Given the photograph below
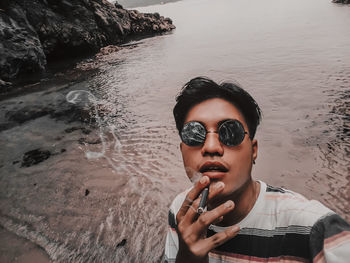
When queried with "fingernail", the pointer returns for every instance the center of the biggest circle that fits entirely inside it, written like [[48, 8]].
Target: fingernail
[[203, 180], [219, 185], [228, 204], [235, 228]]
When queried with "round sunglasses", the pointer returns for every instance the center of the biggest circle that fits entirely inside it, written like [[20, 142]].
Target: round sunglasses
[[231, 133]]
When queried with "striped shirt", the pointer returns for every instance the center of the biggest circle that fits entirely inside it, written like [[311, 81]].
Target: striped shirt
[[283, 226]]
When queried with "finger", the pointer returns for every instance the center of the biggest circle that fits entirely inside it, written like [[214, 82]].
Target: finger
[[191, 196], [207, 218], [215, 188], [218, 220], [192, 212], [220, 238]]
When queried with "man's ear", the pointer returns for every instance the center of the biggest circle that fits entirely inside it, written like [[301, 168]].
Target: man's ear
[[254, 149]]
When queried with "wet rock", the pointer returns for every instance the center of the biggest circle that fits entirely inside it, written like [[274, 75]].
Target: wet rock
[[28, 113], [70, 113], [6, 125], [83, 130], [341, 1], [89, 141], [122, 243], [33, 32], [34, 157], [117, 5], [143, 23], [59, 110], [108, 50], [4, 85], [72, 129], [20, 48]]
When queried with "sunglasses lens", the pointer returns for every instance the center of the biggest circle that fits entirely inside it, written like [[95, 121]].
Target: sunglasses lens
[[231, 133], [193, 133]]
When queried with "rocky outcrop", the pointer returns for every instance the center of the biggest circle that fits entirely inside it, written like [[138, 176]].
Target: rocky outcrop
[[341, 1], [139, 3], [20, 48], [35, 32]]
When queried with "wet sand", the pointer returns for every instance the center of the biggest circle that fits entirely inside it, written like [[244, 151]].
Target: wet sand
[[20, 250]]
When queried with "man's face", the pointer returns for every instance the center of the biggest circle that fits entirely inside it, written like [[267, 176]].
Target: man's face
[[229, 164]]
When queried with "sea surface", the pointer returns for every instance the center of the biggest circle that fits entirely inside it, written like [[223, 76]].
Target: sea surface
[[292, 56]]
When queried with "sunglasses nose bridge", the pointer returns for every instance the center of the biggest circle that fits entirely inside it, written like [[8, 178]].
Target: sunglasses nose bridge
[[212, 144]]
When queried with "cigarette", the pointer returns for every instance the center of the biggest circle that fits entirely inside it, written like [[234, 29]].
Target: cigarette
[[203, 200]]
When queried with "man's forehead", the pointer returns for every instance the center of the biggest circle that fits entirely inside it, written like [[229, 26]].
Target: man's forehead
[[213, 111]]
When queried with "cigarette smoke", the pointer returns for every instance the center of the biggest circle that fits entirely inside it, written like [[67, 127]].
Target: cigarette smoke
[[193, 175], [86, 99]]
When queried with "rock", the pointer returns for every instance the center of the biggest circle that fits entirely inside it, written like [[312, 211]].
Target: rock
[[61, 110], [71, 113], [84, 141], [147, 23], [20, 49], [34, 157], [83, 130], [117, 5], [121, 243], [341, 1], [4, 85], [35, 32], [28, 113], [108, 50]]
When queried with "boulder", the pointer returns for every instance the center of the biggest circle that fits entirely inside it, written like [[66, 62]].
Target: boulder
[[36, 32]]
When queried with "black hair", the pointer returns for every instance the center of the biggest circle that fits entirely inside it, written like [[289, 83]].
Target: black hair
[[200, 89]]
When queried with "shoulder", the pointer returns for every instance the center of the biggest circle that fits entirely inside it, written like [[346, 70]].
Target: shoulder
[[330, 239], [290, 208]]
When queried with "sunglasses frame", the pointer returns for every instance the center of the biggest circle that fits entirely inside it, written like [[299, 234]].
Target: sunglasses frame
[[217, 131]]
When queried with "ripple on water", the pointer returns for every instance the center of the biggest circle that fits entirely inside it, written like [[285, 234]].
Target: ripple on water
[[333, 155]]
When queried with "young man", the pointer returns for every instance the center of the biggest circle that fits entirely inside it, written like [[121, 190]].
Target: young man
[[245, 220]]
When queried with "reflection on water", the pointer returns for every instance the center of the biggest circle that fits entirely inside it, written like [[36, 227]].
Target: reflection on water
[[293, 57], [334, 169]]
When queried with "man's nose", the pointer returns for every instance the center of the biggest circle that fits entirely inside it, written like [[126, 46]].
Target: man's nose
[[212, 145]]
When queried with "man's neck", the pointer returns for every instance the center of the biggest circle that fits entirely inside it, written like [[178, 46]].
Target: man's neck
[[244, 202]]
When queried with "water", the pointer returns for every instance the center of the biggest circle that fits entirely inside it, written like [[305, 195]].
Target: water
[[292, 56]]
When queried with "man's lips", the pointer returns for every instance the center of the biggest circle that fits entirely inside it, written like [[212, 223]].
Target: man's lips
[[213, 169]]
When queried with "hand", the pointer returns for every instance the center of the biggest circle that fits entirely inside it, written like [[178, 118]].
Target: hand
[[194, 246]]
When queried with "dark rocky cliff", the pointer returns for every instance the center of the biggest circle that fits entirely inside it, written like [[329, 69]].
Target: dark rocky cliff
[[341, 1], [35, 32]]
